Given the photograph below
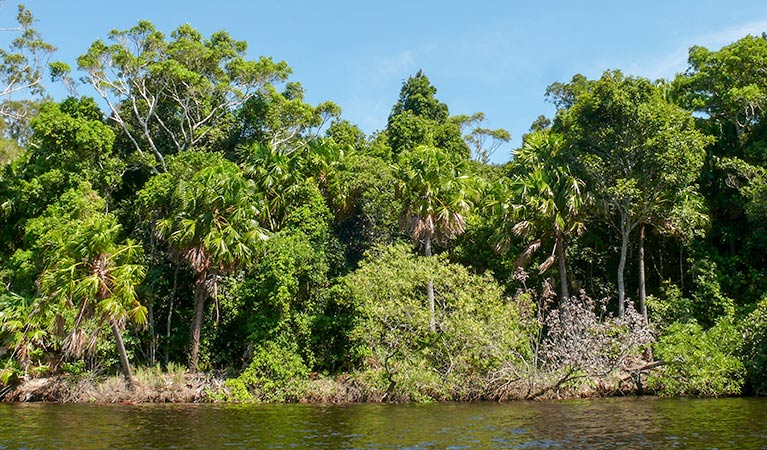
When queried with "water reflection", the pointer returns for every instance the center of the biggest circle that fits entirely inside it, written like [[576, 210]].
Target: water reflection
[[602, 423]]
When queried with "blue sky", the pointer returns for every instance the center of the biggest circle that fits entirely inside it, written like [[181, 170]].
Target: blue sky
[[491, 56]]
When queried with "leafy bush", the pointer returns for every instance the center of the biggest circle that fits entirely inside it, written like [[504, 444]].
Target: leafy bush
[[276, 374], [754, 351], [699, 362], [477, 328], [669, 307]]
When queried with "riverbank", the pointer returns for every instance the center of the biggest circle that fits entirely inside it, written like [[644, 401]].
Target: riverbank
[[179, 386]]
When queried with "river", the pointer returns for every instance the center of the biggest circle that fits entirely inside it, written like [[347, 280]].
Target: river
[[737, 423]]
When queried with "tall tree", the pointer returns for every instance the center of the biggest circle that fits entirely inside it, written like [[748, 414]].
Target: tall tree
[[639, 152], [728, 90], [22, 67], [171, 95], [437, 194], [482, 141], [214, 225], [88, 267], [283, 121], [728, 85], [420, 119], [542, 200]]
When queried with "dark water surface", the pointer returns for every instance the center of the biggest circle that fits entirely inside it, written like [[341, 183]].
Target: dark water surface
[[601, 423]]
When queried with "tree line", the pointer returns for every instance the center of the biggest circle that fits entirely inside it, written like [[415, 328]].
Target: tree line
[[201, 212]]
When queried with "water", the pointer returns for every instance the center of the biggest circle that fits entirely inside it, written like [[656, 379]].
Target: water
[[601, 423]]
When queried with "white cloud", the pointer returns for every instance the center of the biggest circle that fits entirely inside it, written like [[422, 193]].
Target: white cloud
[[729, 35], [676, 61], [386, 67]]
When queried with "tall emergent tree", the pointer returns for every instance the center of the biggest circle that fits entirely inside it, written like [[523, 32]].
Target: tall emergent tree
[[436, 194], [170, 95], [642, 155], [22, 66], [728, 88], [419, 118]]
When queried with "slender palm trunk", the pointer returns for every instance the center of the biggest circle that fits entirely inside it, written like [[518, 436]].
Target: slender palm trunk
[[642, 289], [199, 309], [560, 243], [124, 364], [622, 264], [153, 335], [170, 315], [430, 288]]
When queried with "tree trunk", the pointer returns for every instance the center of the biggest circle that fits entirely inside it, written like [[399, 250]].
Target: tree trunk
[[622, 264], [124, 364], [153, 334], [170, 315], [642, 288], [681, 267], [560, 243], [199, 310], [430, 288]]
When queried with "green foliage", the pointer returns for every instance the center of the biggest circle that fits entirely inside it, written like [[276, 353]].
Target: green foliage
[[70, 145], [436, 193], [477, 330], [72, 137], [22, 65], [281, 297], [754, 350], [282, 121], [215, 218], [699, 362], [276, 374], [639, 154], [669, 306], [369, 216], [84, 261], [483, 142], [86, 275], [727, 83], [168, 96], [215, 164], [26, 331], [419, 119], [708, 301], [418, 96], [542, 202], [348, 135]]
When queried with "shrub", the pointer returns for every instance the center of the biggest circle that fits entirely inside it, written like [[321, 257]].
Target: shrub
[[276, 374], [754, 350], [477, 328], [698, 362]]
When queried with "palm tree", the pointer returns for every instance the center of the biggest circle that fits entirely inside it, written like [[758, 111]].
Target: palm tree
[[88, 269], [279, 176], [215, 227], [543, 201], [436, 197], [271, 171]]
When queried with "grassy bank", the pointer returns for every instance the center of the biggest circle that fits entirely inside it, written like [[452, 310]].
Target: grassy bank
[[152, 385]]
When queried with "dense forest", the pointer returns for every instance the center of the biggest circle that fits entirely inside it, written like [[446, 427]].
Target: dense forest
[[198, 213]]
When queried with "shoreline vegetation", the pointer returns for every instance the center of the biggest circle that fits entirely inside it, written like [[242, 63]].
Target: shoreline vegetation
[[157, 386], [202, 217]]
